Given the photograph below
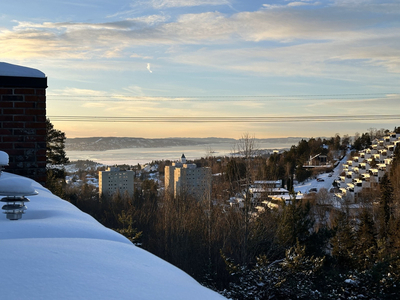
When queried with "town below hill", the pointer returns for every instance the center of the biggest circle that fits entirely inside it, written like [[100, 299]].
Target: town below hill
[[112, 143]]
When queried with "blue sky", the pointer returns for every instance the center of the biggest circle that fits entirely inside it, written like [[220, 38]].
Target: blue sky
[[192, 59]]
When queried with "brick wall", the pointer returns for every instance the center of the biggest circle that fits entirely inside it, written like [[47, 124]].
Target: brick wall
[[23, 125]]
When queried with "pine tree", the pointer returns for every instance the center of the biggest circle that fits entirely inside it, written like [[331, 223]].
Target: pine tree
[[295, 223], [55, 155], [126, 228], [292, 277], [343, 242], [366, 244], [55, 145], [384, 205]]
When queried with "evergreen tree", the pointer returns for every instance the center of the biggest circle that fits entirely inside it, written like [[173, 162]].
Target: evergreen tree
[[295, 223], [127, 229], [365, 244], [55, 155], [292, 277], [343, 242], [55, 145], [384, 205]]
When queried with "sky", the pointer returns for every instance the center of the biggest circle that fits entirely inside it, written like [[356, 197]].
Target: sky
[[210, 68], [58, 252]]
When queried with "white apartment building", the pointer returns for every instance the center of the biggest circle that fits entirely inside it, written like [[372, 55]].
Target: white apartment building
[[113, 180], [183, 178]]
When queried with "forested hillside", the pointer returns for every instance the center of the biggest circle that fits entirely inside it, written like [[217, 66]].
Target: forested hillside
[[305, 249]]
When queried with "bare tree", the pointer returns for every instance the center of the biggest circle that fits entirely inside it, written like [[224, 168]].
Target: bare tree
[[323, 204], [245, 148]]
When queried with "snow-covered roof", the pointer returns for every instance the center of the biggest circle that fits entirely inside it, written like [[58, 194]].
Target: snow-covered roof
[[270, 190], [287, 197], [19, 71], [268, 182], [58, 252]]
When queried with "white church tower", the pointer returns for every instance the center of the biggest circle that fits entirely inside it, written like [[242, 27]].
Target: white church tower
[[183, 159]]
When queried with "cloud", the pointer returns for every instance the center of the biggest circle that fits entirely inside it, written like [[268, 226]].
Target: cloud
[[134, 90], [76, 92], [290, 4], [375, 6], [353, 3], [148, 68], [94, 105], [297, 3], [201, 28], [152, 19], [350, 60], [135, 55], [186, 3], [273, 6], [289, 40], [78, 4]]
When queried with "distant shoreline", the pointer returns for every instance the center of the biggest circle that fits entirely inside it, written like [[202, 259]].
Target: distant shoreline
[[113, 143], [133, 156]]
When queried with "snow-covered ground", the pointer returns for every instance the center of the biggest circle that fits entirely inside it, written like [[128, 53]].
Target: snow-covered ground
[[58, 252], [305, 187]]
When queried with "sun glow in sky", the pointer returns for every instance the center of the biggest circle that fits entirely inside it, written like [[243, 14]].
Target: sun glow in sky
[[165, 65]]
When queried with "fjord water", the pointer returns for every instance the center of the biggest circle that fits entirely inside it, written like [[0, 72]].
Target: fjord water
[[133, 156]]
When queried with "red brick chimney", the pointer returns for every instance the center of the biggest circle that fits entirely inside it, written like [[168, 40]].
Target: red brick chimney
[[23, 120]]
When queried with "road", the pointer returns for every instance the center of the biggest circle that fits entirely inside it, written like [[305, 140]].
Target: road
[[304, 187]]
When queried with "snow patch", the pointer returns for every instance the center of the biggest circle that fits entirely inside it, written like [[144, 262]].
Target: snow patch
[[19, 71]]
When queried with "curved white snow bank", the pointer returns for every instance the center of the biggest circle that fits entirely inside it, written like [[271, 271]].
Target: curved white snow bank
[[58, 252], [19, 71]]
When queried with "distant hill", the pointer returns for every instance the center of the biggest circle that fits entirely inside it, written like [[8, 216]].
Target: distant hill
[[111, 143]]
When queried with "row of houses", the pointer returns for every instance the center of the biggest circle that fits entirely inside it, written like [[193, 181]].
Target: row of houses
[[366, 169], [265, 193]]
